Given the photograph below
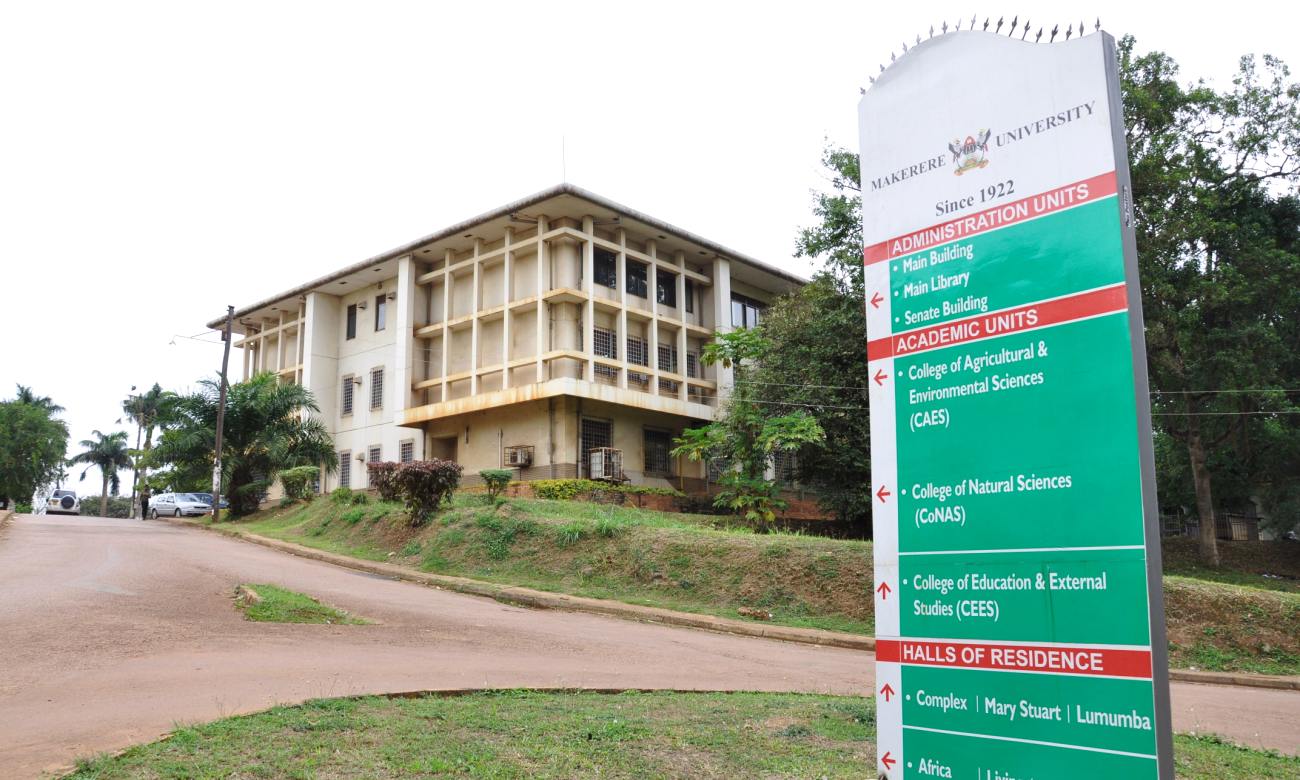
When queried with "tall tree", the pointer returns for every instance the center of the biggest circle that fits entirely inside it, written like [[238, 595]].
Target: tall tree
[[108, 453], [143, 410], [747, 437], [1217, 275], [268, 428], [33, 445], [27, 396]]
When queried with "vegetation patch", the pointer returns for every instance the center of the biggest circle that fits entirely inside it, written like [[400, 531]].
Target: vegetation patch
[[272, 604], [522, 734], [1233, 618]]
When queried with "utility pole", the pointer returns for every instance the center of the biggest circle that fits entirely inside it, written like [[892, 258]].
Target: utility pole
[[221, 418]]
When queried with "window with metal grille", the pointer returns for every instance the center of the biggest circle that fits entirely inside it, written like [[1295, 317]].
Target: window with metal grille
[[605, 268], [347, 394], [668, 386], [604, 342], [638, 378], [785, 466], [406, 451], [657, 444], [374, 454], [668, 358], [376, 388], [638, 351], [594, 433], [636, 279], [345, 469], [692, 365], [666, 288], [606, 373]]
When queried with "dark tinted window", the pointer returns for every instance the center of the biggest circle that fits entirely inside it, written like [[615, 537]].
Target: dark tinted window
[[666, 288], [352, 321], [606, 268], [381, 312], [690, 296], [636, 279], [745, 312]]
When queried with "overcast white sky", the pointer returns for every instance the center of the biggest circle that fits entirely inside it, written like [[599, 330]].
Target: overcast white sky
[[160, 160]]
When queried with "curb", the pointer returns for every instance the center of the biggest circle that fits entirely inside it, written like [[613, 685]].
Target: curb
[[536, 599], [5, 516]]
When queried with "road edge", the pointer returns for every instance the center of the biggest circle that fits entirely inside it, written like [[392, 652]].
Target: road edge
[[537, 599]]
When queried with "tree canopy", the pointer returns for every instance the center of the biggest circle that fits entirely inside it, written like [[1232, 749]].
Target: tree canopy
[[107, 452], [33, 445]]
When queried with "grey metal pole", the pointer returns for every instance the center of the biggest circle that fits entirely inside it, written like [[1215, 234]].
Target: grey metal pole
[[221, 418]]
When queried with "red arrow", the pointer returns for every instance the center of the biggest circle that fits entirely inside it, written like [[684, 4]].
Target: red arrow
[[880, 377], [883, 589], [876, 300], [887, 692], [880, 494], [887, 761]]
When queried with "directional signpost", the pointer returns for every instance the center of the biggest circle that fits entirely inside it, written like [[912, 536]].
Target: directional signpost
[[1020, 628]]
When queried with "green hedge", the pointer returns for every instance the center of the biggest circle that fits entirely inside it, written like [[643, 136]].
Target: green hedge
[[569, 489]]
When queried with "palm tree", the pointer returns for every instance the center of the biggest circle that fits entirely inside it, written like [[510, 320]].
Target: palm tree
[[268, 428], [27, 396], [144, 410], [108, 453]]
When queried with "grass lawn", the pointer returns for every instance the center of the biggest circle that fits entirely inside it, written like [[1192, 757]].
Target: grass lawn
[[1242, 616], [277, 605], [549, 735]]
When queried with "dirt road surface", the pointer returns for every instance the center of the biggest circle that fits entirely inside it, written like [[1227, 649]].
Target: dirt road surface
[[113, 631]]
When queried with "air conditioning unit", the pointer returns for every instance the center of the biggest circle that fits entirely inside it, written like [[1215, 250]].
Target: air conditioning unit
[[606, 463]]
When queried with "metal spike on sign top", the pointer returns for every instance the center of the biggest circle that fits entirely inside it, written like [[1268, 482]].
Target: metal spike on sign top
[[931, 31], [892, 57], [986, 24], [1039, 36], [1098, 27], [959, 25], [999, 27], [973, 19], [1080, 28], [918, 40], [944, 29], [1013, 26], [1069, 31], [1055, 29], [905, 47], [1026, 30], [882, 68]]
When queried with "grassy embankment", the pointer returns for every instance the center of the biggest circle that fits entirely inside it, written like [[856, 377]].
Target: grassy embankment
[[549, 735], [272, 604], [1227, 619]]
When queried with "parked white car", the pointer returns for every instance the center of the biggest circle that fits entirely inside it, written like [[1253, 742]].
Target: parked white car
[[178, 505], [62, 502]]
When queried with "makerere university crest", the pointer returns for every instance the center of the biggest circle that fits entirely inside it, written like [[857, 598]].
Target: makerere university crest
[[971, 152]]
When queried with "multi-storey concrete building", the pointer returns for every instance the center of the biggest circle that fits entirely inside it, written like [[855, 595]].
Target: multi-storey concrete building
[[525, 337]]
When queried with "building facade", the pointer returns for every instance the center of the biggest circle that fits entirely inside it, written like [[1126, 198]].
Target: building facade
[[524, 338]]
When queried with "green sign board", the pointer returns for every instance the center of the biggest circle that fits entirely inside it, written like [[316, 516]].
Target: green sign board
[[1020, 628]]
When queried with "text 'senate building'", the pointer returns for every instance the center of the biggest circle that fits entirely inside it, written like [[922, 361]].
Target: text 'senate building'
[[525, 338]]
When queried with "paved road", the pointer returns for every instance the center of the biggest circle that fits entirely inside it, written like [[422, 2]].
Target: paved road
[[112, 631]]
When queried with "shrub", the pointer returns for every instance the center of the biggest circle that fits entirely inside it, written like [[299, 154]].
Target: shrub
[[570, 533], [608, 528], [23, 508], [341, 495], [425, 485], [496, 481], [297, 482], [568, 489], [383, 478], [354, 516]]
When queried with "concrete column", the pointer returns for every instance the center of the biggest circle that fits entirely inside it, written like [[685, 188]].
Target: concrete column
[[474, 307], [448, 258], [280, 347], [680, 257], [507, 294], [320, 358], [620, 276], [542, 330], [588, 287], [404, 333], [721, 294], [652, 249]]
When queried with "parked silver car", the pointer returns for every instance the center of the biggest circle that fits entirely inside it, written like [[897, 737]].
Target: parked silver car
[[178, 505]]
